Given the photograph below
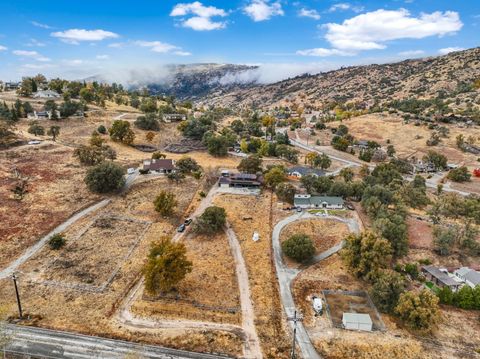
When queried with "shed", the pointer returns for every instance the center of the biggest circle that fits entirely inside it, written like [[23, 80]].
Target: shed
[[357, 321]]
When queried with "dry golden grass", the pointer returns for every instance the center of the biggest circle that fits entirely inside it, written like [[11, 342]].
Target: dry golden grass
[[258, 257], [56, 191], [324, 233], [208, 293], [403, 137]]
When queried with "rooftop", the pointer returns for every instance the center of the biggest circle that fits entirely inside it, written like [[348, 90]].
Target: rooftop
[[357, 318], [441, 276]]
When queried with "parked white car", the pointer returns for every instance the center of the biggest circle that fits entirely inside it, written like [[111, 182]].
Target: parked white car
[[317, 305], [34, 142], [131, 171]]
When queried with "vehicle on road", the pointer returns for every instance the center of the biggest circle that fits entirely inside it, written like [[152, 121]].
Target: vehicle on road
[[181, 228], [188, 221], [131, 171], [299, 209], [34, 142], [350, 207]]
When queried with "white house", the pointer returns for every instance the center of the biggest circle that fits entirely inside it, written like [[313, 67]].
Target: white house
[[306, 201], [300, 171], [357, 321], [169, 117], [469, 276], [46, 94]]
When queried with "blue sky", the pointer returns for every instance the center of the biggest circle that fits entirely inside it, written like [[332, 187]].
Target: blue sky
[[75, 39]]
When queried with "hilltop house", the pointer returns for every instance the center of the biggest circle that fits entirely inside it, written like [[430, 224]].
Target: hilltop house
[[10, 86], [300, 171], [308, 201], [469, 276], [440, 277], [42, 115], [46, 94], [245, 180], [159, 166], [169, 117]]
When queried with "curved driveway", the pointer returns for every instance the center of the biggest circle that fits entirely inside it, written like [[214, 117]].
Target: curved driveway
[[286, 275]]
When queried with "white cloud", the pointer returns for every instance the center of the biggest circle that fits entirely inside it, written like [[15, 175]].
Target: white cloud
[[322, 52], [37, 66], [102, 57], [412, 53], [38, 24], [202, 16], [74, 62], [371, 30], [162, 47], [35, 43], [344, 7], [3, 48], [182, 53], [261, 10], [311, 13], [74, 36], [32, 54], [199, 23], [116, 45], [448, 50]]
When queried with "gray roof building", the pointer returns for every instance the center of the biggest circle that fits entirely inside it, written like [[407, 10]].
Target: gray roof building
[[300, 171], [308, 201]]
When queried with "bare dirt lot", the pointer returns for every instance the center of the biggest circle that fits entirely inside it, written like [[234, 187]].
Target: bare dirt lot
[[340, 302], [324, 233], [409, 139], [263, 283], [55, 192]]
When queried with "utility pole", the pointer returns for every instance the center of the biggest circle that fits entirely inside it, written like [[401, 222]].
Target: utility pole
[[14, 277], [295, 319]]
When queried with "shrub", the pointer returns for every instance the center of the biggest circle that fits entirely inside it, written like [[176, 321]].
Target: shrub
[[102, 129], [299, 247], [165, 203], [148, 123], [56, 241], [166, 266], [460, 174], [105, 177], [419, 311], [212, 220]]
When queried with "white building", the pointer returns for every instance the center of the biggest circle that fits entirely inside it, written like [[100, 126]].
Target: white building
[[46, 94], [306, 201], [357, 321], [469, 276]]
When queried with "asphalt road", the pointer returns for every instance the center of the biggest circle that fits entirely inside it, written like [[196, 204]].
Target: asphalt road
[[56, 344]]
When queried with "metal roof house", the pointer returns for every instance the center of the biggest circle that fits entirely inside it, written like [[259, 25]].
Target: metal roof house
[[169, 117], [308, 201], [357, 321], [46, 94], [440, 278], [469, 276], [300, 171], [245, 180]]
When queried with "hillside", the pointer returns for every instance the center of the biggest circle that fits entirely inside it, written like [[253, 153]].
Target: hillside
[[451, 76]]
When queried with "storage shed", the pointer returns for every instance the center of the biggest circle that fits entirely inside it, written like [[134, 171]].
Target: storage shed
[[357, 321]]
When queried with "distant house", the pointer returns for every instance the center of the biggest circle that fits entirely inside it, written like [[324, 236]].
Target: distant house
[[42, 115], [10, 86], [469, 276], [306, 201], [357, 321], [159, 166], [46, 94], [362, 144], [300, 171], [239, 180], [472, 149], [169, 117], [440, 277]]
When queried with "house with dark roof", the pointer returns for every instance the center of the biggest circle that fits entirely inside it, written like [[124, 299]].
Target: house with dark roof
[[469, 276], [440, 277], [240, 180], [160, 165], [300, 171], [169, 117], [307, 201]]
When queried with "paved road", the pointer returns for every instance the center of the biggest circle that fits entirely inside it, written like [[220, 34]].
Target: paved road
[[56, 344], [286, 275]]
